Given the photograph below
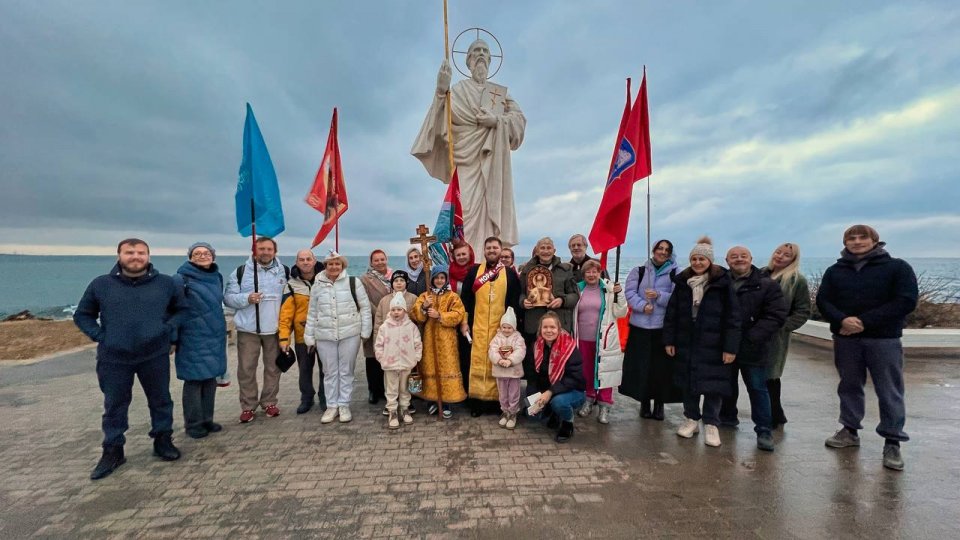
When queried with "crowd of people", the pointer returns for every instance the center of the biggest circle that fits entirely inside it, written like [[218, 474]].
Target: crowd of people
[[550, 338]]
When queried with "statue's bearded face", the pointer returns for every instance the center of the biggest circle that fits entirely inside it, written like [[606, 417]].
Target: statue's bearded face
[[478, 59]]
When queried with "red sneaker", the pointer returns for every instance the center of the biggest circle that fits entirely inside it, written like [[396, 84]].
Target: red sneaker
[[273, 410], [246, 416]]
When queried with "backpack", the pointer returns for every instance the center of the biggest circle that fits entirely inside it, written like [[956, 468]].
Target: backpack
[[242, 268], [353, 292], [643, 270]]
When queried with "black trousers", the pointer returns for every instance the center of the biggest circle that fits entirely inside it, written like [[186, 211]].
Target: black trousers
[[375, 378], [305, 364], [199, 399]]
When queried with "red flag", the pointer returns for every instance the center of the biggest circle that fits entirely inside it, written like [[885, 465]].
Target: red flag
[[329, 194], [631, 162]]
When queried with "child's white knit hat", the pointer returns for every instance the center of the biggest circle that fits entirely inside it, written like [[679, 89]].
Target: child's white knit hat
[[509, 317]]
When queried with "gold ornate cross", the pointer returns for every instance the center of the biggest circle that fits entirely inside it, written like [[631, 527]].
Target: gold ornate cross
[[424, 238]]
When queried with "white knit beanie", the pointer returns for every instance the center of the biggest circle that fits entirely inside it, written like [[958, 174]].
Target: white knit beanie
[[509, 317], [704, 247], [398, 301]]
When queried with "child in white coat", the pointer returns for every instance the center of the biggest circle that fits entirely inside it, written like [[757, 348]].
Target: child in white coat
[[398, 348], [507, 350]]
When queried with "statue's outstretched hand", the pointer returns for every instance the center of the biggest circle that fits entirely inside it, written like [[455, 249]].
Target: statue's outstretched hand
[[443, 78]]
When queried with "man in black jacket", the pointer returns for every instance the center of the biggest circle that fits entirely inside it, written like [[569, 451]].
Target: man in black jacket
[[138, 310], [763, 311], [866, 297]]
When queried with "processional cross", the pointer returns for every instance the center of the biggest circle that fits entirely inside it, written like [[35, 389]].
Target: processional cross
[[424, 239]]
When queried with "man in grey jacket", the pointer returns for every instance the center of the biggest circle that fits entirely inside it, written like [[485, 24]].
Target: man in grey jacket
[[256, 320]]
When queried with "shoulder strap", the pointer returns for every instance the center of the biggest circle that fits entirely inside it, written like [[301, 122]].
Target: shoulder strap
[[240, 270], [353, 292], [286, 271], [642, 270]]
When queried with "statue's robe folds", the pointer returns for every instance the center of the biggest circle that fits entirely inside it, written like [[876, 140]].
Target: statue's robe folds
[[481, 155]]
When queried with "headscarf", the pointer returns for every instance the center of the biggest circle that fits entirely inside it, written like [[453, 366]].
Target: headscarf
[[436, 272], [560, 352], [413, 273], [459, 272]]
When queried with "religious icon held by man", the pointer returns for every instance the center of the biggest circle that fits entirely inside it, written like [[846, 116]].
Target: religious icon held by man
[[540, 287]]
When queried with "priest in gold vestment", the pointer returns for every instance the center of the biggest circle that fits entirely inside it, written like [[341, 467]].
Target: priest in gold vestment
[[488, 289]]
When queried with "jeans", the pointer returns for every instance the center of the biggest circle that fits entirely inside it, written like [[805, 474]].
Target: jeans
[[563, 405], [711, 408], [116, 383], [755, 379], [305, 363], [883, 358], [199, 399]]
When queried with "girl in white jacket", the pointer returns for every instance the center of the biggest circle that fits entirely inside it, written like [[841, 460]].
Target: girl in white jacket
[[338, 317], [398, 348]]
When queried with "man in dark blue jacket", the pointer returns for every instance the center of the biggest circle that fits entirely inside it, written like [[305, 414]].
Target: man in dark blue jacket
[[137, 308], [762, 312], [866, 296]]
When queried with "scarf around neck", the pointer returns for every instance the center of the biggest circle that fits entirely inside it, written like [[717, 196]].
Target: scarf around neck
[[383, 278], [699, 286], [560, 352], [414, 274]]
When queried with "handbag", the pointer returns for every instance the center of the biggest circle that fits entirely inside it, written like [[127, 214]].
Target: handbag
[[285, 359], [415, 383]]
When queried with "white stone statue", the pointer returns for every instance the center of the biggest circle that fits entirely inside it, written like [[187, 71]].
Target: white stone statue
[[487, 125]]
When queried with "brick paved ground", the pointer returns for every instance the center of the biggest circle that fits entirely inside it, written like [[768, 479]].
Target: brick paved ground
[[291, 477]]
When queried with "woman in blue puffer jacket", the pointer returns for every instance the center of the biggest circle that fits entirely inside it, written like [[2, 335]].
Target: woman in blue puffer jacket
[[201, 344]]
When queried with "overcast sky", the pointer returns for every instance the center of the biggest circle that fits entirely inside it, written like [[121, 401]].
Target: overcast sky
[[771, 121]]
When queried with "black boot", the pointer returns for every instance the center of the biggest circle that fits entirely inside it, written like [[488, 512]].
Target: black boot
[[658, 411], [164, 449], [565, 432], [553, 421], [304, 407], [111, 459], [645, 409], [213, 427]]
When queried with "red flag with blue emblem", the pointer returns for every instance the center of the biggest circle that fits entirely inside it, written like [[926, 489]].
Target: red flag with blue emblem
[[631, 162]]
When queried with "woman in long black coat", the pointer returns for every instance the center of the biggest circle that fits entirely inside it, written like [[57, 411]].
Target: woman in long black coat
[[701, 331]]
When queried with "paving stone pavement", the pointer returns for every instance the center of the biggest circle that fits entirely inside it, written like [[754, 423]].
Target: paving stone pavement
[[290, 477]]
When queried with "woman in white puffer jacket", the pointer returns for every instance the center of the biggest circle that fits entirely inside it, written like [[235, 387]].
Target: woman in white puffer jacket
[[338, 317]]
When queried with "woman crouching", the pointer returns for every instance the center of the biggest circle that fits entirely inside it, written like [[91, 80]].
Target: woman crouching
[[558, 375]]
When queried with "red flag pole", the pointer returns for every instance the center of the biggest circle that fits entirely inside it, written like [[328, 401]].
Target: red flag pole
[[649, 247]]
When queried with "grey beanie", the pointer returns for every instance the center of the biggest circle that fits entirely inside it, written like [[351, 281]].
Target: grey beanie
[[704, 247], [203, 245]]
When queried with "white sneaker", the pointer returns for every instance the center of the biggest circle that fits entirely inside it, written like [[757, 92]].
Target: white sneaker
[[604, 416], [393, 422], [585, 410], [711, 435], [689, 428], [503, 419], [329, 415], [407, 418], [511, 422], [345, 415]]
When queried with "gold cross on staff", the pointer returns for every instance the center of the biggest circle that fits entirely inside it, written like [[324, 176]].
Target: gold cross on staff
[[424, 238]]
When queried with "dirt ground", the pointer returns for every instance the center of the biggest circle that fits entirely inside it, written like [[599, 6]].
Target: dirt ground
[[22, 340]]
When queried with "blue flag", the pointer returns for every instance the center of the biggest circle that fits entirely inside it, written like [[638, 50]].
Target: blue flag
[[257, 181]]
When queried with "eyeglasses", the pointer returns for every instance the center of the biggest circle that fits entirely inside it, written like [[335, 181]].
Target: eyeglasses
[[202, 255]]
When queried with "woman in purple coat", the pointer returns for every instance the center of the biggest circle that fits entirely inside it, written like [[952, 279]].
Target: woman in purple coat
[[647, 372]]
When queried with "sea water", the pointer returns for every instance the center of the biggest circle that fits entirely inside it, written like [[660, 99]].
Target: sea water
[[51, 286]]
